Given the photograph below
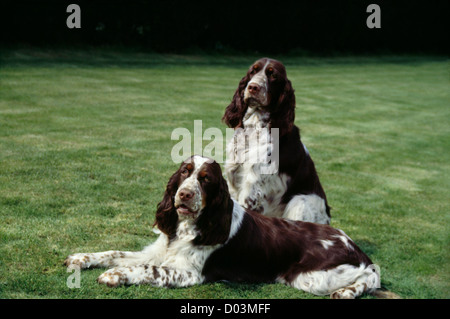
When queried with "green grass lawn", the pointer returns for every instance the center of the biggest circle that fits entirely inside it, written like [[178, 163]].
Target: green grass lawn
[[85, 157]]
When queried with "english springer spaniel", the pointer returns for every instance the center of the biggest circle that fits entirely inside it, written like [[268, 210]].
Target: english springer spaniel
[[265, 100], [206, 236]]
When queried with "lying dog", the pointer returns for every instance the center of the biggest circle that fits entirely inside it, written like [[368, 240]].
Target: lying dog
[[206, 236]]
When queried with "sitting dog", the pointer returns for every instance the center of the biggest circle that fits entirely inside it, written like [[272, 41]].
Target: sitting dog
[[264, 101]]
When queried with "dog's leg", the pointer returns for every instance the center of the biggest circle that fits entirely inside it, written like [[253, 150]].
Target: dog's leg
[[367, 282], [254, 200], [307, 208], [152, 254], [152, 275], [255, 188], [102, 259], [350, 292], [344, 281]]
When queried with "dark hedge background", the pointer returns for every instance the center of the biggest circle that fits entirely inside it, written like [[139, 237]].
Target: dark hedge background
[[315, 26]]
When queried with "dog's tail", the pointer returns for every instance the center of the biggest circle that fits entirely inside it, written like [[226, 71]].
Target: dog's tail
[[385, 294]]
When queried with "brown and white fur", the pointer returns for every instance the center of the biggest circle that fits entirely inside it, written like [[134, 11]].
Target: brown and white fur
[[265, 100], [206, 236]]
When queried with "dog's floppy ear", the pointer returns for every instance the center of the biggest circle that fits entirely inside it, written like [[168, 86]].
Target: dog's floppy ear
[[234, 113], [283, 112], [166, 215], [215, 220]]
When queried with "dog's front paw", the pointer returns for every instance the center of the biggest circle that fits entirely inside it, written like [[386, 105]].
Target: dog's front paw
[[254, 204], [343, 293], [112, 278], [81, 260]]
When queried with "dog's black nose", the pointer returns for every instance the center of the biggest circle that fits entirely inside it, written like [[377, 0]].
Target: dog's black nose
[[185, 194], [254, 88]]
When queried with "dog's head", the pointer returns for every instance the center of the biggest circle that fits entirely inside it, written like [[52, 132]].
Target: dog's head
[[267, 88], [197, 191]]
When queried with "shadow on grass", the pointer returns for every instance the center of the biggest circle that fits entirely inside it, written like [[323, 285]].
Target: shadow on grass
[[368, 247]]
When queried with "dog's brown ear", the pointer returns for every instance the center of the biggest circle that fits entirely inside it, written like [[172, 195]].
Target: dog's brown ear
[[215, 220], [283, 112], [166, 215], [234, 113]]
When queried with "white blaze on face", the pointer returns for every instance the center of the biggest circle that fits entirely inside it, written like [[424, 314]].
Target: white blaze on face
[[191, 184], [260, 79]]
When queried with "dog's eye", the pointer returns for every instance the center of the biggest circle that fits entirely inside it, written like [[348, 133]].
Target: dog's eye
[[255, 69], [185, 172], [203, 177], [270, 72]]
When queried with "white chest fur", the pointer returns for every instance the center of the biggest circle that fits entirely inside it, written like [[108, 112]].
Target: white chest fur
[[182, 253], [249, 154]]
